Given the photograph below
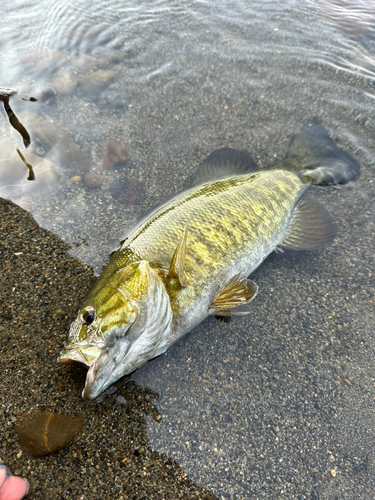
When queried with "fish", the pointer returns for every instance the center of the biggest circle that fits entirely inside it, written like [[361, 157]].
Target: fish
[[192, 255]]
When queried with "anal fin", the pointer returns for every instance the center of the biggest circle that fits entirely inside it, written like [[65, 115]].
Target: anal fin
[[312, 227]]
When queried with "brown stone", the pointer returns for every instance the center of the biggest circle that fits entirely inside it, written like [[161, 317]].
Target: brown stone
[[43, 432], [92, 180], [113, 154]]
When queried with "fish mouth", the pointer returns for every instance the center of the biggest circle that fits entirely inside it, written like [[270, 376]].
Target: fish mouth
[[79, 355], [102, 372], [92, 389]]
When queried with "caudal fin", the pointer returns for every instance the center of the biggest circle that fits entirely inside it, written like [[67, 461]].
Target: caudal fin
[[320, 161]]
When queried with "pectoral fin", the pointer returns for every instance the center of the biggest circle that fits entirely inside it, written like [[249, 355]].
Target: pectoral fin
[[234, 298], [177, 267], [312, 227]]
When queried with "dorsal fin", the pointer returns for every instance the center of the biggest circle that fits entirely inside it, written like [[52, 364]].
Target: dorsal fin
[[177, 267], [223, 163], [237, 292], [312, 227]]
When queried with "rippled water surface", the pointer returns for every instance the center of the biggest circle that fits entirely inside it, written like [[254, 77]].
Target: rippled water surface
[[128, 98]]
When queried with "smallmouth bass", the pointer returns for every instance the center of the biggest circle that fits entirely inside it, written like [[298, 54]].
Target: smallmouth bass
[[191, 256]]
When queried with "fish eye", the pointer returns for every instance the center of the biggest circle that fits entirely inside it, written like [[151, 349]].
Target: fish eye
[[88, 316]]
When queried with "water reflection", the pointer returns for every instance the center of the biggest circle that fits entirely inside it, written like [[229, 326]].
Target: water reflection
[[5, 94], [353, 17], [261, 405]]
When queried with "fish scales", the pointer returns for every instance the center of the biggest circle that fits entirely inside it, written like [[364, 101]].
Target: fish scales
[[225, 219]]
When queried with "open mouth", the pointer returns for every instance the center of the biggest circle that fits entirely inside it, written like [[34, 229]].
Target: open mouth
[[79, 355]]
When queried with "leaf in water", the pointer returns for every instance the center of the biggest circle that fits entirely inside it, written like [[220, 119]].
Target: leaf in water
[[42, 433]]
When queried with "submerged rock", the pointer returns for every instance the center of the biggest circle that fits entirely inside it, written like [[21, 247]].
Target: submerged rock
[[42, 432], [60, 148], [94, 82], [128, 191], [113, 153], [82, 62], [109, 59], [64, 83], [92, 180], [44, 61]]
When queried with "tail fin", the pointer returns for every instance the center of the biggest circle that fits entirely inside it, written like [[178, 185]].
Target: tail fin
[[319, 160]]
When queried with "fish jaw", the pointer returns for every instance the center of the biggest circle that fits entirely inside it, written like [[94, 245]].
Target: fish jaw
[[101, 363], [80, 354], [101, 373]]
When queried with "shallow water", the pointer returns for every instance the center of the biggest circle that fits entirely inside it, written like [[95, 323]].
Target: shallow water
[[257, 407]]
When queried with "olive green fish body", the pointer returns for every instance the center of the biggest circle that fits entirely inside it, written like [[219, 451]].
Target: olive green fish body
[[232, 225]]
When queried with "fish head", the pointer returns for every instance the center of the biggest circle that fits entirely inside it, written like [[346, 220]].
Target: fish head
[[120, 326]]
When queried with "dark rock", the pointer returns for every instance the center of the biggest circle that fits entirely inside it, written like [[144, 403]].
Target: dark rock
[[113, 153], [128, 191]]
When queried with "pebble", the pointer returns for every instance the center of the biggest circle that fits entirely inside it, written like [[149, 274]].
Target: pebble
[[129, 191], [94, 82], [92, 180], [64, 83], [113, 154], [43, 432], [109, 59], [110, 390]]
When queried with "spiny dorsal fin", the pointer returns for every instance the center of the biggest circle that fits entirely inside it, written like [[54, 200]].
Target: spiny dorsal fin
[[237, 292], [312, 227], [223, 163], [177, 267]]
